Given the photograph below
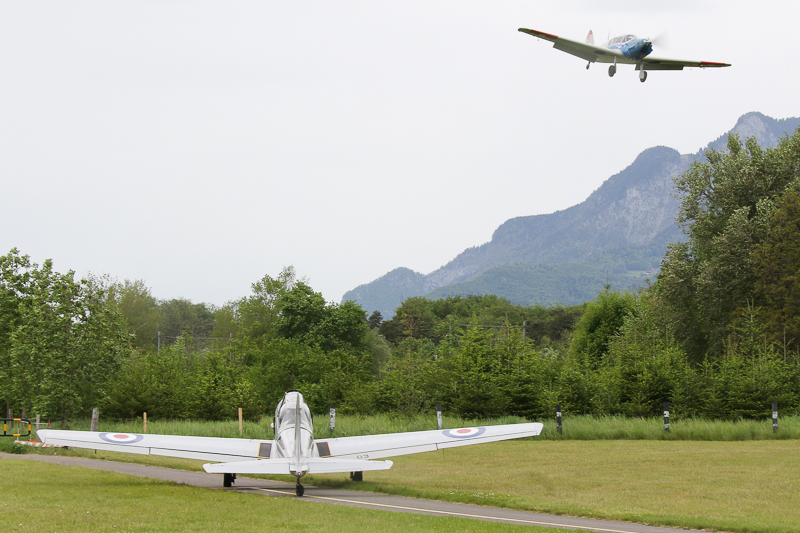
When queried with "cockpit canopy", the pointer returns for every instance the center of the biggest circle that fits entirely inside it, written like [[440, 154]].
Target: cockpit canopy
[[622, 39], [288, 416]]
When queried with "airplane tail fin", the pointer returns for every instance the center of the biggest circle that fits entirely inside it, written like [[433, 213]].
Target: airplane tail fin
[[590, 38]]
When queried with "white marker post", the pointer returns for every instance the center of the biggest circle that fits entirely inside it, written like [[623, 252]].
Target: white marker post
[[666, 417], [774, 417], [333, 418], [438, 416], [558, 419]]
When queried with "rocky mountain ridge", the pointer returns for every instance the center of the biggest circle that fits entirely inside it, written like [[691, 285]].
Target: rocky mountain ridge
[[622, 229]]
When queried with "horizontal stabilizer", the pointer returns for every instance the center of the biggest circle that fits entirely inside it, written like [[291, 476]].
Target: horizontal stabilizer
[[287, 466]]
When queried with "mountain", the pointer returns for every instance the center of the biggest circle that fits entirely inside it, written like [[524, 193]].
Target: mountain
[[618, 235]]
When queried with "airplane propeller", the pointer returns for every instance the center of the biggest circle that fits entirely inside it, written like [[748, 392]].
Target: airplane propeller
[[661, 40]]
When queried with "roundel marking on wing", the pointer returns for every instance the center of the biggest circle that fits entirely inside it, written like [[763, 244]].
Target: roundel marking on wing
[[463, 433], [121, 438]]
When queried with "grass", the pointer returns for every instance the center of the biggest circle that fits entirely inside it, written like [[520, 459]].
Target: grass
[[732, 476], [46, 497], [751, 486]]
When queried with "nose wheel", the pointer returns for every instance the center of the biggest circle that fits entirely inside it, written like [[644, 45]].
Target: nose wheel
[[612, 70], [299, 489], [642, 76]]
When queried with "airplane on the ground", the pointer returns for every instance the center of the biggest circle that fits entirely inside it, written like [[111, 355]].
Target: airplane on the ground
[[294, 450], [625, 49]]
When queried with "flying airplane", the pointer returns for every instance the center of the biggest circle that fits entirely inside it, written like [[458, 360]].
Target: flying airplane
[[625, 49], [294, 450]]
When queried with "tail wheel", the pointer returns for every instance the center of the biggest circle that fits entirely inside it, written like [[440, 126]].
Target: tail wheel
[[299, 489], [643, 76], [612, 70]]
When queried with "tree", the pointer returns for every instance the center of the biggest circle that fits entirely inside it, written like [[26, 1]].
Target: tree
[[67, 344], [600, 323], [305, 316], [777, 264], [140, 311], [725, 209], [259, 312]]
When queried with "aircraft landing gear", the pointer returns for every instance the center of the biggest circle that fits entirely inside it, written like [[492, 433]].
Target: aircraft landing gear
[[642, 76], [299, 489], [612, 70], [357, 476], [228, 479], [588, 65]]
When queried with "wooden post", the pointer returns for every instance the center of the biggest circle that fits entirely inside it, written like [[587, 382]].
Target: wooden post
[[438, 416], [95, 419], [333, 418], [558, 420], [666, 417], [774, 417], [144, 417], [240, 421]]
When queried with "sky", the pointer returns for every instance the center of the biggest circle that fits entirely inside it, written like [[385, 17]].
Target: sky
[[200, 145]]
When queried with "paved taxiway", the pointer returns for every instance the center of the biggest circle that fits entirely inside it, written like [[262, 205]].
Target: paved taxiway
[[367, 500]]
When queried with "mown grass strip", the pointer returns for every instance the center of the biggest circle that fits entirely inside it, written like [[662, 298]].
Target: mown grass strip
[[749, 486], [46, 497]]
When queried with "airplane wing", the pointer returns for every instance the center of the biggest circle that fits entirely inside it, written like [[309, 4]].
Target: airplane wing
[[202, 448], [657, 63], [394, 444], [585, 51]]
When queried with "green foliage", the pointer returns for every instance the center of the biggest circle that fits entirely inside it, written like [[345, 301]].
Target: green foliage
[[726, 209], [600, 323], [305, 316], [777, 265], [140, 311], [60, 341], [435, 319], [259, 312]]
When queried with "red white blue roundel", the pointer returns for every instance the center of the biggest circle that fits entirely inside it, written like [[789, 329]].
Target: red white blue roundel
[[463, 433], [120, 438]]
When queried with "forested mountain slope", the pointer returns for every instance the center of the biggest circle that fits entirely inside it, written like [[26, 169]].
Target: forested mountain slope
[[617, 235]]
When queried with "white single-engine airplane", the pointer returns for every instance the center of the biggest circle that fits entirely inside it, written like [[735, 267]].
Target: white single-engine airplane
[[294, 450], [625, 49]]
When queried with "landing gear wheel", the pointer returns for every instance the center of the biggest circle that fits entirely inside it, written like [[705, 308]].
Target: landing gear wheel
[[642, 76], [587, 65], [357, 476], [227, 479], [299, 489], [612, 70]]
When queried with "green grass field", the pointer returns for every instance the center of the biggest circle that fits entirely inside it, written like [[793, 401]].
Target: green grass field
[[44, 497], [745, 480]]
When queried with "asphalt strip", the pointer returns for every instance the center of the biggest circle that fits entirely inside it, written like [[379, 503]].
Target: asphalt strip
[[368, 500]]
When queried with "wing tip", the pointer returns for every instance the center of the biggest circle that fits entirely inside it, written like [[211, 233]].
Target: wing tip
[[537, 33]]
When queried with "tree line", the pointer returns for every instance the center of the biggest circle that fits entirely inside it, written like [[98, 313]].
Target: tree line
[[716, 334]]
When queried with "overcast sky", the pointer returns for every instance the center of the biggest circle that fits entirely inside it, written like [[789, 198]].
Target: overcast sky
[[199, 145]]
